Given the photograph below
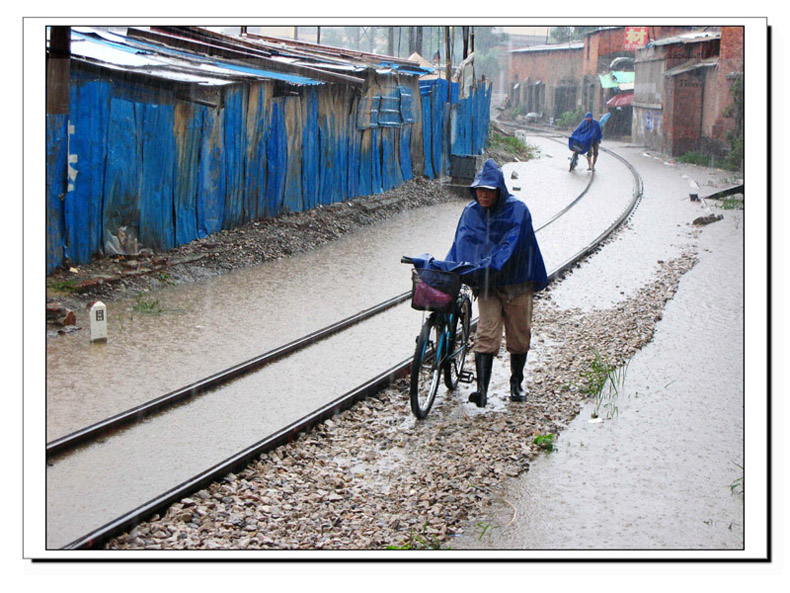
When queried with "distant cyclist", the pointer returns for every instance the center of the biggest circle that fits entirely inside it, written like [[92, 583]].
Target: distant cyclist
[[588, 134]]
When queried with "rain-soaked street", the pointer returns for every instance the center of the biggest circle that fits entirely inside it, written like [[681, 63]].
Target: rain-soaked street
[[666, 471], [206, 327]]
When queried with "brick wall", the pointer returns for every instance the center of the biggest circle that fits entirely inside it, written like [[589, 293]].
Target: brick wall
[[551, 66], [682, 112], [730, 63], [556, 69], [601, 47]]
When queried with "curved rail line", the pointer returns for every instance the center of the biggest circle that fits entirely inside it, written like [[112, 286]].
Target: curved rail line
[[243, 458], [138, 413]]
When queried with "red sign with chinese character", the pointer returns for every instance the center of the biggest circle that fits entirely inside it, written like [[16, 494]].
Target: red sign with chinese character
[[635, 37]]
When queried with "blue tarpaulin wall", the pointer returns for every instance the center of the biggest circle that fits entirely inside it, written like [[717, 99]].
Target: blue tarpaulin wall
[[448, 120], [136, 167], [56, 170]]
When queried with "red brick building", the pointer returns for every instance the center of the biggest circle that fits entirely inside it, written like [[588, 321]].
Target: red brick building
[[545, 78], [673, 92], [683, 90]]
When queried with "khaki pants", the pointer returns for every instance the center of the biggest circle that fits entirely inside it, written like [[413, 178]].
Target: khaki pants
[[499, 309]]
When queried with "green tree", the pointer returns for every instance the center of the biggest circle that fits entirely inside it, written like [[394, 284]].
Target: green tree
[[734, 158]]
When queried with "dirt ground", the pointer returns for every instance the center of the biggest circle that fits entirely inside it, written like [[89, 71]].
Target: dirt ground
[[76, 287]]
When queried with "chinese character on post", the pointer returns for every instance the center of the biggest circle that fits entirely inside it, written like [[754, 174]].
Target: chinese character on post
[[635, 37]]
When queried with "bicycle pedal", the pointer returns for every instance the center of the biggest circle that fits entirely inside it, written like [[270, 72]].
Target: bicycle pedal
[[466, 377]]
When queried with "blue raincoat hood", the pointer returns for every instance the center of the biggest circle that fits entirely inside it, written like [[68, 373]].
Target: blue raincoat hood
[[496, 246], [586, 133]]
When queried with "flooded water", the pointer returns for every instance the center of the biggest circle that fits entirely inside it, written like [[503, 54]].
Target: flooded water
[[206, 327], [658, 476], [209, 326]]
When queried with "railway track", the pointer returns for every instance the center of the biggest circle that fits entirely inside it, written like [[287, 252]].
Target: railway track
[[63, 445]]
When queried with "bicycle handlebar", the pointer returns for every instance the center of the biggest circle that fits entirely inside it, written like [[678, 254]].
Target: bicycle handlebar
[[405, 260]]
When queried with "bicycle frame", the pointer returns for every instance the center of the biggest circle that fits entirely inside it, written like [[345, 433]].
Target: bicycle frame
[[447, 321]]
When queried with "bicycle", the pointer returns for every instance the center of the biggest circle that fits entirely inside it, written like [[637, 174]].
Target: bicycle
[[443, 342], [577, 149]]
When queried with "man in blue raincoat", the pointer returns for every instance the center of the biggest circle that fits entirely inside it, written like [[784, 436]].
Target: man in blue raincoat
[[588, 133], [496, 237]]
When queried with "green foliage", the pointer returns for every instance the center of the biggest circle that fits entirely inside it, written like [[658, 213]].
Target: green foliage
[[737, 486], [484, 528], [545, 442], [570, 119], [734, 159], [600, 375], [695, 157], [731, 203], [63, 286], [146, 307], [511, 145], [420, 541]]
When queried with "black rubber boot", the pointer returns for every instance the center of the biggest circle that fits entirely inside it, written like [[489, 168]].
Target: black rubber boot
[[517, 362], [484, 362]]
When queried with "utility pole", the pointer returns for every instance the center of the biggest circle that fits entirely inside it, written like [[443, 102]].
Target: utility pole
[[465, 35], [448, 66], [391, 41], [418, 40], [58, 70]]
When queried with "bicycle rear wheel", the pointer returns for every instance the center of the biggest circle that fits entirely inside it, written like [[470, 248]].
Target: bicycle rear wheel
[[574, 160], [459, 345], [425, 370]]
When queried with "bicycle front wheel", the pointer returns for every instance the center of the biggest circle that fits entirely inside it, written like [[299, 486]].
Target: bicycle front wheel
[[459, 345], [425, 370]]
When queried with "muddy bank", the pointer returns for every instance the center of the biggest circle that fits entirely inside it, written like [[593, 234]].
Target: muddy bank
[[116, 277]]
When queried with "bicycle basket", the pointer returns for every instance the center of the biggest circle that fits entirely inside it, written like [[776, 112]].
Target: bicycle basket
[[578, 147], [434, 290]]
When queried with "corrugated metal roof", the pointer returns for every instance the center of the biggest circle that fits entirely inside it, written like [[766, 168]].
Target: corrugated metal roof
[[121, 52], [414, 69], [550, 47], [325, 56], [695, 37], [688, 67]]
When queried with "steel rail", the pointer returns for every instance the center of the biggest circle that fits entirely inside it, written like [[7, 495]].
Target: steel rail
[[123, 523], [153, 406], [83, 435]]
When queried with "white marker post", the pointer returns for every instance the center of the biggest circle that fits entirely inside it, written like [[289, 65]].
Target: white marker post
[[98, 321]]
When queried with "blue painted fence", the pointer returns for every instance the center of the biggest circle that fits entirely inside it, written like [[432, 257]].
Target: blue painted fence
[[136, 168]]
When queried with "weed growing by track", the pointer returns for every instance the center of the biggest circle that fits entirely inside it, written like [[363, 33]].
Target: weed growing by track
[[511, 145], [604, 383], [146, 306], [545, 442]]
